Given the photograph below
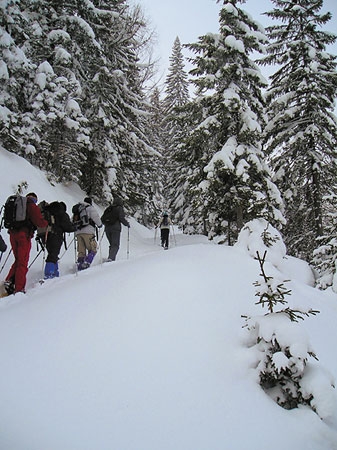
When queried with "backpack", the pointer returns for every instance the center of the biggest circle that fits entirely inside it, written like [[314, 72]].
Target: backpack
[[15, 212], [110, 215], [165, 221], [49, 214], [80, 215]]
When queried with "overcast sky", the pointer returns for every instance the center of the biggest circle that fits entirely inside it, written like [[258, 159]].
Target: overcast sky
[[189, 19]]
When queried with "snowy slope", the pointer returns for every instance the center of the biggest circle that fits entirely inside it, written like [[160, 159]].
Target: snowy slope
[[149, 353]]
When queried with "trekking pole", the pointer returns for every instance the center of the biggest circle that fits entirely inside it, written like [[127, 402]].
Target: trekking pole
[[128, 245], [65, 241], [76, 268], [44, 253], [65, 251], [2, 217], [174, 236], [30, 265], [100, 247], [2, 267]]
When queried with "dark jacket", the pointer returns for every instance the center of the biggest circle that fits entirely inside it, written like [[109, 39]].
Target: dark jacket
[[114, 215], [3, 246], [62, 223]]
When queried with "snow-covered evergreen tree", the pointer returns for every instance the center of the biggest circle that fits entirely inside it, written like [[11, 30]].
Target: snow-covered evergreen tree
[[282, 349], [302, 133], [16, 77], [324, 259], [236, 184], [155, 135], [81, 107], [174, 125], [176, 83]]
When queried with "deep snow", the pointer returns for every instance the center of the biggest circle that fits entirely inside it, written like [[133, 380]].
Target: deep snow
[[149, 352]]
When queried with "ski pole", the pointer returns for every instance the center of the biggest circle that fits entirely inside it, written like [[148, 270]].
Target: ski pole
[[100, 247], [2, 267], [174, 236], [30, 265], [128, 245], [65, 251], [2, 217], [44, 253], [100, 239], [76, 267]]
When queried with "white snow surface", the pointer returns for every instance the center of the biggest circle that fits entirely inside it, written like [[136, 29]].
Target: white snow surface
[[149, 352]]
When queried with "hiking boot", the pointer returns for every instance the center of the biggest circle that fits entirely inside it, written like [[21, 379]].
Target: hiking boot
[[9, 287], [82, 266]]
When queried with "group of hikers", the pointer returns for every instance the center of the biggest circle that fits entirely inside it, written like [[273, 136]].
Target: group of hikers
[[51, 221]]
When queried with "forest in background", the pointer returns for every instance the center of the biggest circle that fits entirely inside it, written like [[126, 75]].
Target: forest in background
[[75, 101]]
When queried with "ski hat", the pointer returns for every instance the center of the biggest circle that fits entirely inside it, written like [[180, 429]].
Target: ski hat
[[165, 213], [88, 200], [33, 196]]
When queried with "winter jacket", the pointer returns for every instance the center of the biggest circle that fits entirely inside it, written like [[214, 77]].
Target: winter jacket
[[93, 217], [62, 223], [164, 226], [59, 221], [114, 215]]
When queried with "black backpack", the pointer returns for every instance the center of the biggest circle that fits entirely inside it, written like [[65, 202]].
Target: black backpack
[[165, 220], [15, 212], [80, 215], [51, 213], [110, 215]]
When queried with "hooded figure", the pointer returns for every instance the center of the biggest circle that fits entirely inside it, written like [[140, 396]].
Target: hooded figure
[[112, 219]]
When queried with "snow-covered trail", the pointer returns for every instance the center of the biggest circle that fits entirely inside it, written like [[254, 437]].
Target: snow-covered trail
[[145, 353]]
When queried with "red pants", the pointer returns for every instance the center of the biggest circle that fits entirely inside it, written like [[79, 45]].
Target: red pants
[[21, 245]]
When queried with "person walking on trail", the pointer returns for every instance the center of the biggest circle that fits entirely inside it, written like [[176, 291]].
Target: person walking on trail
[[3, 245], [85, 236], [59, 223], [112, 219], [20, 239], [164, 225]]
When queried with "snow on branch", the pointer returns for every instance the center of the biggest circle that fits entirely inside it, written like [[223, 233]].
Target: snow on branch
[[283, 351]]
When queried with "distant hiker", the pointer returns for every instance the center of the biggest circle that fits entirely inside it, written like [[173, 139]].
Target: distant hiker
[[164, 225], [112, 218], [53, 236], [3, 245], [20, 238], [86, 219]]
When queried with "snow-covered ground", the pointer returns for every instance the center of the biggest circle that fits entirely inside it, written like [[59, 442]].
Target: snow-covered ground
[[149, 352]]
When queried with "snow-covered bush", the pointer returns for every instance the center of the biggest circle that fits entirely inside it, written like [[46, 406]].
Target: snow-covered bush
[[283, 350], [259, 235]]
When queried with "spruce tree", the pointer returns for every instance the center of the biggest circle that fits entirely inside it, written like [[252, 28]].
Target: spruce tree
[[174, 127], [16, 76], [230, 169], [158, 181], [301, 135], [77, 96]]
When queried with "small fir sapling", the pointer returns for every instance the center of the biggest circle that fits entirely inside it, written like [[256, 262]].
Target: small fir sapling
[[283, 349]]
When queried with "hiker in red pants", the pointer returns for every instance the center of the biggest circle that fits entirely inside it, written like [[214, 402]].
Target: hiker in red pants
[[20, 239]]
